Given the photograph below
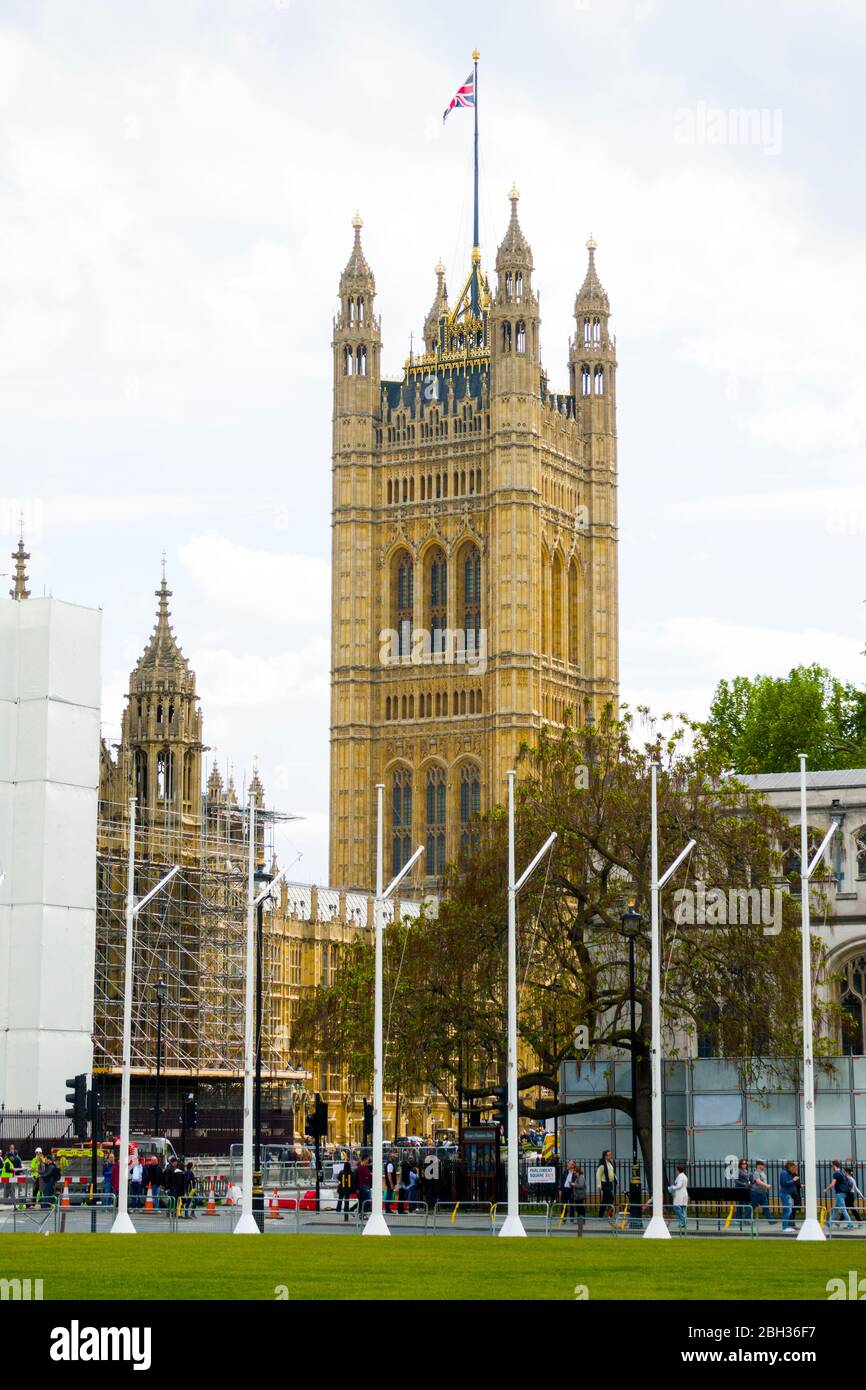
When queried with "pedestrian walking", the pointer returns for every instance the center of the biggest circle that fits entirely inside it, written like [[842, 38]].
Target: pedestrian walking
[[136, 1177], [7, 1176], [854, 1195], [189, 1190], [760, 1193], [789, 1192], [345, 1187], [176, 1185], [605, 1183], [679, 1190], [35, 1175], [107, 1179], [48, 1176], [743, 1182], [364, 1180], [841, 1185], [390, 1181]]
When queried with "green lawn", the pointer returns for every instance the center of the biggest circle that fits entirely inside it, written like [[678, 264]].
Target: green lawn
[[418, 1267]]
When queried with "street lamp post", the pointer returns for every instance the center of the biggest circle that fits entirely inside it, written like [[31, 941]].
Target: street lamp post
[[122, 1223], [631, 920], [377, 1225], [263, 881], [811, 1227], [160, 1000], [513, 1226], [657, 1228]]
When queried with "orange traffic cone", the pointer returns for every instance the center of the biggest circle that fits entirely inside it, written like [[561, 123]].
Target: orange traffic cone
[[148, 1201], [64, 1200], [211, 1210], [275, 1214], [230, 1196]]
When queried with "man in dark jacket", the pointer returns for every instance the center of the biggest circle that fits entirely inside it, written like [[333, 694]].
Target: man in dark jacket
[[176, 1183]]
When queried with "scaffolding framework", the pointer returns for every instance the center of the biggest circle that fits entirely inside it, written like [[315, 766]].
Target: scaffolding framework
[[192, 936]]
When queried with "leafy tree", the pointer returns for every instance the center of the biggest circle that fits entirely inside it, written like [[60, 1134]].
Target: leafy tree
[[445, 975], [761, 724]]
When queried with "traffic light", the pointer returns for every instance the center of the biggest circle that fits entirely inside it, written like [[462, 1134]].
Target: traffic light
[[368, 1123], [317, 1120], [77, 1109], [189, 1112], [500, 1107]]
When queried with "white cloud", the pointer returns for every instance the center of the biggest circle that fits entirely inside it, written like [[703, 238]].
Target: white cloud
[[264, 585]]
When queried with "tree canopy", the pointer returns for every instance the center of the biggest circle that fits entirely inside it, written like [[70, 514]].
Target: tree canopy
[[761, 723], [445, 975]]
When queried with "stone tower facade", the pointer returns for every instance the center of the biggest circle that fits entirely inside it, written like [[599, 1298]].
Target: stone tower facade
[[160, 751], [474, 554]]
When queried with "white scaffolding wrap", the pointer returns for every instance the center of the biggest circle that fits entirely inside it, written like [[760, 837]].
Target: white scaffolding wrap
[[49, 772]]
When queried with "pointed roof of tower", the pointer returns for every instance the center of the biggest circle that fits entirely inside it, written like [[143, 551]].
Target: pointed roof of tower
[[19, 588], [163, 658], [214, 783], [256, 788], [438, 307], [357, 270], [514, 249], [592, 292]]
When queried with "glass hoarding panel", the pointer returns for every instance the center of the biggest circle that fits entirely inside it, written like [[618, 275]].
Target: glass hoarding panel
[[772, 1143], [714, 1074], [767, 1109], [717, 1143], [717, 1110], [839, 1076], [830, 1109], [675, 1074], [676, 1145], [587, 1076], [676, 1110]]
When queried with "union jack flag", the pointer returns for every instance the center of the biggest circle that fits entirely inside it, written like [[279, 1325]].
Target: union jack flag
[[464, 96]]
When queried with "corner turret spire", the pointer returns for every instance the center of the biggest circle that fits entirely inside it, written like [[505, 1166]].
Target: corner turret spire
[[19, 588], [592, 293]]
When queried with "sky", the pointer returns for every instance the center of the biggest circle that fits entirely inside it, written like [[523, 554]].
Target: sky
[[177, 183]]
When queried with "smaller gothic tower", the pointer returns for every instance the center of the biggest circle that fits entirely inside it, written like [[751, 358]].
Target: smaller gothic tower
[[514, 322], [161, 744], [19, 588], [592, 371]]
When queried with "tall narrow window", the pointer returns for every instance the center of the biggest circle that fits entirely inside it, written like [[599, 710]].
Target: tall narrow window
[[348, 362], [470, 808], [472, 599], [438, 600], [585, 380], [506, 337], [401, 819], [518, 288], [545, 603], [435, 822], [141, 777], [521, 337], [599, 381], [361, 358], [556, 606], [852, 997], [573, 615], [404, 585]]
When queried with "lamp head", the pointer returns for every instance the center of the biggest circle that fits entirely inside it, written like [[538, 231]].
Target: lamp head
[[630, 921]]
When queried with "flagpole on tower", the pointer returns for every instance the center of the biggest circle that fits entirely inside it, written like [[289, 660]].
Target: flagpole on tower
[[476, 247]]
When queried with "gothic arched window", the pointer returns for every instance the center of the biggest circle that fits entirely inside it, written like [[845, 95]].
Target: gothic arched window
[[518, 289], [361, 358], [470, 808], [852, 998], [401, 818], [596, 331], [860, 851], [141, 777], [348, 362], [556, 605], [506, 337], [435, 822], [599, 381], [587, 333], [521, 336], [402, 601], [438, 599], [585, 380], [472, 598], [573, 615]]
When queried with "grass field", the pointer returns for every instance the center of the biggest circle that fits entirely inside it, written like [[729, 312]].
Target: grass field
[[419, 1268]]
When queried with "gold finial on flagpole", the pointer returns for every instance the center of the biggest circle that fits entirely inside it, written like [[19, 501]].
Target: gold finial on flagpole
[[475, 55]]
